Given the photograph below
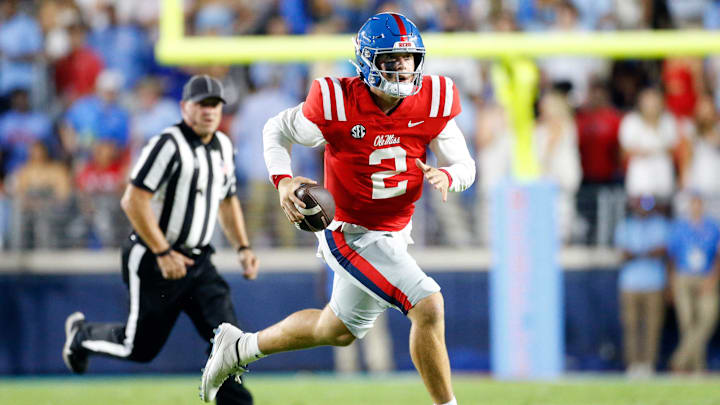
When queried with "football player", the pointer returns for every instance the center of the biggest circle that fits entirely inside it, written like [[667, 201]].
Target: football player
[[376, 128]]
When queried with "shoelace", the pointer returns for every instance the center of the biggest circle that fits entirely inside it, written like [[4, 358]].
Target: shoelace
[[238, 371]]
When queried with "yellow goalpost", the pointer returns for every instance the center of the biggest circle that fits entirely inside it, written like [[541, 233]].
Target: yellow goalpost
[[516, 73], [173, 47]]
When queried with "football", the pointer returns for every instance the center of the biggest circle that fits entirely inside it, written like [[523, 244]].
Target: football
[[319, 207]]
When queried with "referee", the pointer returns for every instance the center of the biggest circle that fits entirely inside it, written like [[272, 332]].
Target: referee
[[183, 180]]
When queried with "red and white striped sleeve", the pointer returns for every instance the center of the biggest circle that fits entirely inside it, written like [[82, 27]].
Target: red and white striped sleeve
[[445, 99], [325, 101]]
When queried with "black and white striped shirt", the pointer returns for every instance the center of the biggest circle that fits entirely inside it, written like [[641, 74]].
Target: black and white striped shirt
[[188, 180]]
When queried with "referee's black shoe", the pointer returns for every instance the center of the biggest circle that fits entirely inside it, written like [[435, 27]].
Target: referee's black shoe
[[74, 355]]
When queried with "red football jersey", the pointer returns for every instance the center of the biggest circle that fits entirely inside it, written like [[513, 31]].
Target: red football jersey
[[370, 156]]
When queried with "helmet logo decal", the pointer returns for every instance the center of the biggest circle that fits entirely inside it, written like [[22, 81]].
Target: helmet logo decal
[[358, 131]]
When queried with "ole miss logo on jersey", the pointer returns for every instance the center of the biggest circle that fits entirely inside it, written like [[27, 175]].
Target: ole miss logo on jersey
[[370, 156], [382, 140]]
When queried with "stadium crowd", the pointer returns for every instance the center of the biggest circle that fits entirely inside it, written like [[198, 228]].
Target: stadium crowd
[[80, 92]]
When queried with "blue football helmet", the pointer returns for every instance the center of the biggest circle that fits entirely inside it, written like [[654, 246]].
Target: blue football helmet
[[389, 33]]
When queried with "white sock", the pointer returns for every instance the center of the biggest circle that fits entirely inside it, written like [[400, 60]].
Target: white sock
[[248, 348], [451, 402]]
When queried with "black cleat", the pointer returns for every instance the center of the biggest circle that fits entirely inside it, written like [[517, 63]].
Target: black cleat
[[75, 356]]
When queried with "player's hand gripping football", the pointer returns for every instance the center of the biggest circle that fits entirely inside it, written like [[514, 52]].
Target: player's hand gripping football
[[288, 199], [174, 265], [436, 177]]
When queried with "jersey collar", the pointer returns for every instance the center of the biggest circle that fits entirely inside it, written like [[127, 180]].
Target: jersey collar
[[367, 103], [194, 140]]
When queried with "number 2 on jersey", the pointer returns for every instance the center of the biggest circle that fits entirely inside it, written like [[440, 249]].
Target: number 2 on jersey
[[380, 191]]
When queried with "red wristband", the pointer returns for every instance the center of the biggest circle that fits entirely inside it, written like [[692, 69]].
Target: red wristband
[[276, 178], [449, 176]]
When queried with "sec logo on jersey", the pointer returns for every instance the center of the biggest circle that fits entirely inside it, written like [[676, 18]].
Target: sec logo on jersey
[[358, 131]]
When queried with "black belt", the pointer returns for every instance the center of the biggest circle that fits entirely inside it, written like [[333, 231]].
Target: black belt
[[191, 252], [196, 251]]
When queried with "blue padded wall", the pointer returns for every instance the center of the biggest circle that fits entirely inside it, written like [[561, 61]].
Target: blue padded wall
[[33, 310]]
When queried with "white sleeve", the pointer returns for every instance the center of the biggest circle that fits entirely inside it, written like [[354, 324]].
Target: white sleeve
[[283, 130], [627, 131], [453, 155]]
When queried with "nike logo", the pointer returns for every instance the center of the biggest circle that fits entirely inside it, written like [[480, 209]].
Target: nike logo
[[412, 124]]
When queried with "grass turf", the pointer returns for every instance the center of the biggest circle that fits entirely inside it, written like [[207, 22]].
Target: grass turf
[[301, 389]]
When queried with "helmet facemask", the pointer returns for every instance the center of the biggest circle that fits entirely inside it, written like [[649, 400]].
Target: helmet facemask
[[395, 86]]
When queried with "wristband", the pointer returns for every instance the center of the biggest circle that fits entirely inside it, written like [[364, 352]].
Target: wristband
[[276, 179], [448, 176], [242, 248], [164, 252]]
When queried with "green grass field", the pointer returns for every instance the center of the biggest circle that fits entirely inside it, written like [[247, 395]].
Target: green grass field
[[402, 389]]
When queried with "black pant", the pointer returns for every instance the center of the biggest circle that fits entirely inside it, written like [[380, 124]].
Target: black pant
[[155, 304]]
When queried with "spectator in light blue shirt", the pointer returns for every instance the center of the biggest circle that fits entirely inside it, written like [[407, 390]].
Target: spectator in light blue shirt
[[96, 116], [641, 238], [214, 19], [151, 112], [21, 42], [123, 47], [693, 248], [711, 16], [20, 127], [267, 101]]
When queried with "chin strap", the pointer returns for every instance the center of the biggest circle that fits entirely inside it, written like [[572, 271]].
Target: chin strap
[[357, 67], [396, 89]]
